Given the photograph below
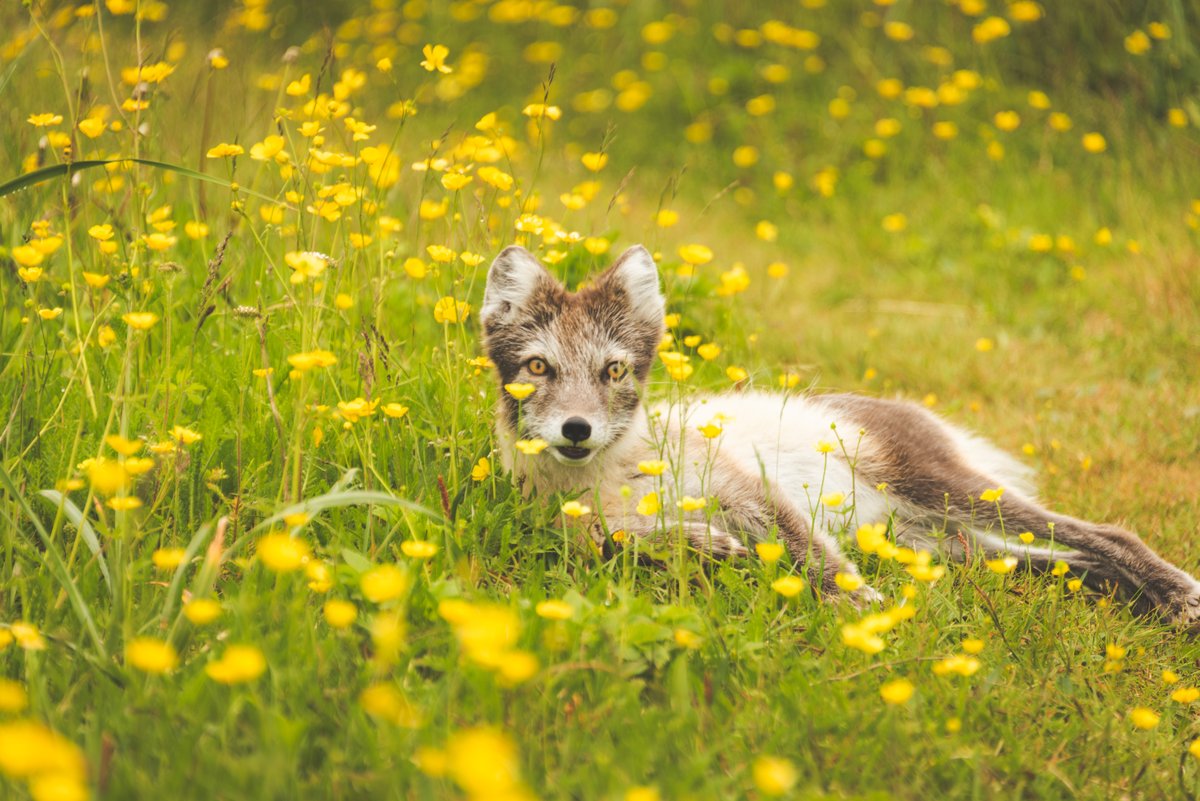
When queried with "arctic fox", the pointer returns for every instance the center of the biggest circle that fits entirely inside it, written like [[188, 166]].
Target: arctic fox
[[792, 467]]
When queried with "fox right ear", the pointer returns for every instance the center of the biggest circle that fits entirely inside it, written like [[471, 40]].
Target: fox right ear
[[514, 278]]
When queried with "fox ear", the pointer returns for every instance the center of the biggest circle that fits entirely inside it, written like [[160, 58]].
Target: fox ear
[[636, 273], [514, 278]]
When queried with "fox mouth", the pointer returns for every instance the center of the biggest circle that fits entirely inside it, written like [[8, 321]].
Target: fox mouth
[[572, 454]]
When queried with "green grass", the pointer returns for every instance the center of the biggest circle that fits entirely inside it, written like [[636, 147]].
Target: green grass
[[674, 678]]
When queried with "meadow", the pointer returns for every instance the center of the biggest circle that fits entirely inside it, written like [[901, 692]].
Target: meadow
[[256, 539]]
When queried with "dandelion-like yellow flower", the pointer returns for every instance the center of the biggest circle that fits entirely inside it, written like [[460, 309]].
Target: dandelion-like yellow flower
[[575, 509], [435, 58], [520, 391], [649, 504], [202, 611], [185, 436], [1143, 717], [44, 120], [774, 776], [13, 697], [594, 161], [481, 470], [555, 610], [539, 111], [339, 614], [848, 582], [960, 664], [140, 321], [225, 150], [695, 254], [384, 583], [896, 692], [238, 665], [1002, 565], [769, 551], [168, 558], [418, 549], [788, 586], [1185, 695], [395, 410], [449, 310], [1094, 142], [151, 655], [310, 359], [531, 447], [282, 552]]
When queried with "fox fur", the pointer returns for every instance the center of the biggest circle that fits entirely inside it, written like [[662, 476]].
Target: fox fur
[[589, 354]]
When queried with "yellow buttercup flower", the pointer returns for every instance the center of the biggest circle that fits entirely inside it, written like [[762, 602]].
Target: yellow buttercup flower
[[140, 321], [435, 58], [237, 665], [649, 505], [1002, 565], [520, 391], [395, 410], [652, 467], [896, 692], [848, 582], [769, 551], [418, 549], [283, 553], [575, 509], [168, 558], [1143, 717], [481, 470], [202, 611], [594, 161], [555, 610], [696, 255], [225, 150], [774, 776], [449, 310], [384, 583], [44, 120], [151, 655], [788, 586], [339, 614]]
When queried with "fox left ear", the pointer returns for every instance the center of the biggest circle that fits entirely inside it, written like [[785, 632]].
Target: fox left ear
[[513, 280], [637, 274]]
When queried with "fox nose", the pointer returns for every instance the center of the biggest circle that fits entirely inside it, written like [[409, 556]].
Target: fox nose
[[576, 429]]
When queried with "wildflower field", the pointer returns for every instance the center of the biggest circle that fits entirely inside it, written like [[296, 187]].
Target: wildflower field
[[256, 539]]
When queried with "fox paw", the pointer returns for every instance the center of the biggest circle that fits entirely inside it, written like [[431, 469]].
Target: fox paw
[[1184, 610]]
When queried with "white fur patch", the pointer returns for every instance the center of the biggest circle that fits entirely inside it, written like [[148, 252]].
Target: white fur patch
[[638, 274]]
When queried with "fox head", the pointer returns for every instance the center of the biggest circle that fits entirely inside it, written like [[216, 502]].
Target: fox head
[[586, 353]]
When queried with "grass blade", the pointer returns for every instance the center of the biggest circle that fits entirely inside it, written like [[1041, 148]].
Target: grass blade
[[53, 562], [66, 170], [85, 529]]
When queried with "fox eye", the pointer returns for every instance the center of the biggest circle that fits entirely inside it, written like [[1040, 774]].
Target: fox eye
[[616, 371], [537, 366]]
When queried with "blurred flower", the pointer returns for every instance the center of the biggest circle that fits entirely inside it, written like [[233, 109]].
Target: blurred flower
[[237, 665], [896, 692]]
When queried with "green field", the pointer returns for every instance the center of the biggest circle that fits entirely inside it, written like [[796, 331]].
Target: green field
[[257, 542]]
